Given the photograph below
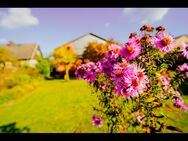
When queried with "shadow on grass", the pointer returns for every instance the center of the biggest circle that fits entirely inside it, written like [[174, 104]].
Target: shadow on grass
[[11, 128]]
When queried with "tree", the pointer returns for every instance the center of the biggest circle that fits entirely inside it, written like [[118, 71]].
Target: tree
[[96, 51], [5, 56], [43, 65], [64, 55]]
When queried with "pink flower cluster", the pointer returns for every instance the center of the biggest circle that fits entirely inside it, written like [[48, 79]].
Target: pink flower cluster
[[164, 42], [87, 72], [113, 52], [129, 79], [105, 66], [178, 102], [139, 117], [166, 82], [103, 85], [131, 50], [183, 68], [126, 77], [184, 49], [97, 121]]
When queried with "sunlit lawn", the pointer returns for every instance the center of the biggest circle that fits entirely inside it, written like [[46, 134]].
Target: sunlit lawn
[[55, 106], [59, 106]]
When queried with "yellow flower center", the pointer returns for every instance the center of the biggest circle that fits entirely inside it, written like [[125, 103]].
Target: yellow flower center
[[166, 41], [119, 73], [140, 74], [135, 82], [123, 64], [117, 50], [130, 49]]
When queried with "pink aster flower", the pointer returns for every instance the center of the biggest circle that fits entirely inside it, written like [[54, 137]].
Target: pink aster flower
[[184, 107], [119, 70], [139, 82], [87, 71], [186, 73], [166, 82], [178, 102], [132, 92], [139, 117], [141, 76], [131, 81], [113, 51], [184, 49], [142, 58], [136, 39], [79, 72], [103, 85], [164, 42], [177, 93], [183, 67], [131, 50], [90, 76], [97, 121], [106, 66]]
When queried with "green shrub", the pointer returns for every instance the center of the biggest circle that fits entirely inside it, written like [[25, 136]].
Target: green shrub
[[23, 78], [10, 83], [43, 66], [17, 80]]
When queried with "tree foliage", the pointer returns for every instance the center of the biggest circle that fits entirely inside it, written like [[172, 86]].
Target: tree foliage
[[96, 51], [43, 65], [5, 56], [64, 55]]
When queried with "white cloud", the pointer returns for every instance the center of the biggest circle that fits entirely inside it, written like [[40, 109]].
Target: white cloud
[[145, 15], [107, 25], [17, 18]]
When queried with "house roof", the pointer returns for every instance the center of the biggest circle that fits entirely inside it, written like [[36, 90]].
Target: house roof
[[180, 39], [79, 45], [84, 36], [184, 35], [23, 51]]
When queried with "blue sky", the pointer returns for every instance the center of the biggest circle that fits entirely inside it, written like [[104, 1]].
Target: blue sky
[[52, 27]]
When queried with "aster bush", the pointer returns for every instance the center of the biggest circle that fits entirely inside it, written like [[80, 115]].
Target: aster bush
[[135, 81]]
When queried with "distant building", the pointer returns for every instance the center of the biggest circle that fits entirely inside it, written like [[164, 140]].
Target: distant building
[[180, 39], [25, 53], [80, 43]]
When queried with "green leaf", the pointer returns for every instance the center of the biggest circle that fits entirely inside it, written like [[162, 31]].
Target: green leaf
[[150, 99]]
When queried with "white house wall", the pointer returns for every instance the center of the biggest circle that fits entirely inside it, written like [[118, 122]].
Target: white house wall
[[31, 62], [180, 40], [80, 44]]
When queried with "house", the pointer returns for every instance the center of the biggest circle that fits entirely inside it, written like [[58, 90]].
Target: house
[[25, 53], [81, 42], [180, 39]]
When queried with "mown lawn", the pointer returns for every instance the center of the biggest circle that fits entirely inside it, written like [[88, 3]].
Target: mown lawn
[[54, 106], [58, 106]]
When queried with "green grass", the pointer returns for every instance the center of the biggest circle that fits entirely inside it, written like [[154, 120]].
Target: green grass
[[55, 106], [177, 117], [58, 106]]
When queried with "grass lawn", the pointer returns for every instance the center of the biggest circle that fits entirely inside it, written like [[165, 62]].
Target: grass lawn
[[57, 106], [54, 106]]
